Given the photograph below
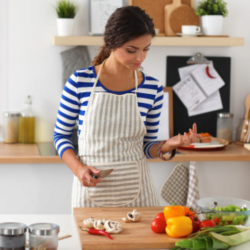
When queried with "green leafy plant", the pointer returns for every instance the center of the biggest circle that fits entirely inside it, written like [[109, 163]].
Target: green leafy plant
[[66, 9], [212, 7]]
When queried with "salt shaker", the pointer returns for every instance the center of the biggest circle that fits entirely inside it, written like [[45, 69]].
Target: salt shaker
[[225, 126]]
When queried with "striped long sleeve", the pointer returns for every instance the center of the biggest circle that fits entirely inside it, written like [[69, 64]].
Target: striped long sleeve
[[74, 101], [152, 122]]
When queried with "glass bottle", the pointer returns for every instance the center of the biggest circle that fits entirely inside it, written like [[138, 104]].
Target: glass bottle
[[27, 123]]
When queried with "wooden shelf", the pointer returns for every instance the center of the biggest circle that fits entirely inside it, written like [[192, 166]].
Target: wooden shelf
[[157, 41], [232, 152], [29, 153]]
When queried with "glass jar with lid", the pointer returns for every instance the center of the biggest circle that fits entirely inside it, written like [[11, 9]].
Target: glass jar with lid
[[11, 123], [43, 236], [12, 235], [225, 126]]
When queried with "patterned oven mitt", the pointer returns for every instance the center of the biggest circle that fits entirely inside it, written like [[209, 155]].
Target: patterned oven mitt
[[175, 188], [193, 191]]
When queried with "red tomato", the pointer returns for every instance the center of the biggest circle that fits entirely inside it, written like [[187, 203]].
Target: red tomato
[[160, 216], [207, 223], [216, 220], [158, 226], [196, 223]]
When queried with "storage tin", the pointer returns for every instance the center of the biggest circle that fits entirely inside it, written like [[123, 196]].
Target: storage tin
[[43, 236], [12, 236]]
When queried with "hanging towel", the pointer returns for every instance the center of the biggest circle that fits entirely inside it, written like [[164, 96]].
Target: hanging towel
[[74, 59], [193, 191], [175, 188]]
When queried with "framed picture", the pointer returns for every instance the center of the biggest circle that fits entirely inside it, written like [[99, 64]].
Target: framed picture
[[166, 119], [99, 13]]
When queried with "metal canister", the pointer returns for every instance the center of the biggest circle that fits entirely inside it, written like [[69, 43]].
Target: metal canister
[[225, 126], [11, 125], [12, 235], [43, 236]]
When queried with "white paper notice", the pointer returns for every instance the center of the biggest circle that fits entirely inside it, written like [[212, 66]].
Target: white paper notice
[[163, 132], [185, 71], [208, 79], [189, 93], [212, 103]]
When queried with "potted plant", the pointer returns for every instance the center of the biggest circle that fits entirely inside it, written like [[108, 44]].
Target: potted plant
[[66, 12], [212, 13]]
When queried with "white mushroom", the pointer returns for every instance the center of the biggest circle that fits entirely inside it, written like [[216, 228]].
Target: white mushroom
[[99, 224], [126, 220], [89, 223], [112, 226], [134, 216]]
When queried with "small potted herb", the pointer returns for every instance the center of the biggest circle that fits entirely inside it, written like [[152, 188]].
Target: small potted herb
[[66, 12], [212, 14]]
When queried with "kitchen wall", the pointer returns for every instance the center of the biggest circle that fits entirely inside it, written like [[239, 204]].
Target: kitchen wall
[[34, 68]]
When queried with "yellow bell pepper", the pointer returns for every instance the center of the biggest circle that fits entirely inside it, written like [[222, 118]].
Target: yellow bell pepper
[[179, 227], [173, 211]]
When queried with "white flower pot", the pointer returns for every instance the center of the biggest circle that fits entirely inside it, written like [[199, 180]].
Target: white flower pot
[[65, 26], [212, 25]]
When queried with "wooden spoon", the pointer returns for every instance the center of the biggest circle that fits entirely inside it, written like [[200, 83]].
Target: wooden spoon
[[246, 127]]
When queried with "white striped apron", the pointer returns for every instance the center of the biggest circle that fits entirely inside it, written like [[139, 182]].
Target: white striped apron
[[112, 137]]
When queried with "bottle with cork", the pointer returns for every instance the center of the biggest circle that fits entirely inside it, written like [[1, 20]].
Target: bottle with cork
[[27, 123]]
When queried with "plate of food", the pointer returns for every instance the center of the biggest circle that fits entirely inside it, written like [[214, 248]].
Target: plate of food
[[207, 142]]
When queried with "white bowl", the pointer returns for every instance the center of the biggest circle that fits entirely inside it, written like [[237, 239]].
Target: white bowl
[[207, 205]]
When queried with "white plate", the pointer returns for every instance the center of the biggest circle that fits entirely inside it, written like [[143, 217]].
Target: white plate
[[189, 35], [216, 143]]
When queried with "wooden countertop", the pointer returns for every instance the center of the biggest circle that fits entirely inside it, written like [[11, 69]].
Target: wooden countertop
[[24, 153], [29, 153], [135, 235]]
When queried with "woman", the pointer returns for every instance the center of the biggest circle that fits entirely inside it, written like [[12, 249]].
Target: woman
[[118, 109]]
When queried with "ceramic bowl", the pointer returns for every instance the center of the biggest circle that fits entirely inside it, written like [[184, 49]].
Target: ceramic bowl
[[207, 206]]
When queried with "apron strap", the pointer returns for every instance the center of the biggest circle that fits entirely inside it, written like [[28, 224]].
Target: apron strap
[[136, 81], [95, 83]]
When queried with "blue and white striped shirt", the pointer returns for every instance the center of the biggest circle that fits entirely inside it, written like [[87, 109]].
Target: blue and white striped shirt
[[74, 101]]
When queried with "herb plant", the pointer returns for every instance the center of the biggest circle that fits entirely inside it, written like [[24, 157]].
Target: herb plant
[[212, 7], [66, 9]]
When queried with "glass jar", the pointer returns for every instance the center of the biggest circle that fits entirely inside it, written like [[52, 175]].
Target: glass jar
[[12, 236], [11, 123], [43, 236], [224, 126]]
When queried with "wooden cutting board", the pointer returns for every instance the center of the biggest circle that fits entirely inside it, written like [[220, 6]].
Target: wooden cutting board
[[183, 15], [135, 235], [168, 9], [155, 9], [178, 14]]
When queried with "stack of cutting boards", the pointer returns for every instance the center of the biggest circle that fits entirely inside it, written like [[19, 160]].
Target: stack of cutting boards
[[169, 15]]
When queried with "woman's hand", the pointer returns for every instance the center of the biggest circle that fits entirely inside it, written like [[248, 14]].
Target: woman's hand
[[180, 140], [81, 171], [84, 175]]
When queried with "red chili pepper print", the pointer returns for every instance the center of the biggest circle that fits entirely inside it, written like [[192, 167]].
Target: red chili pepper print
[[208, 73], [97, 232]]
